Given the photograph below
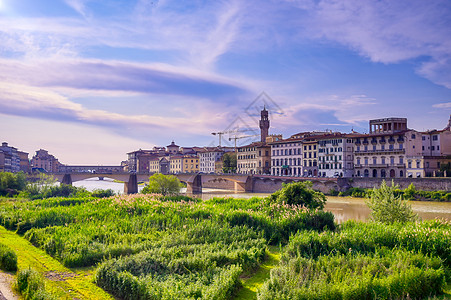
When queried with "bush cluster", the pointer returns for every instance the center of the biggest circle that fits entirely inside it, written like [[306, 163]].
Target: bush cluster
[[364, 261], [8, 259], [12, 183], [387, 274], [193, 248], [410, 193], [31, 285], [205, 267]]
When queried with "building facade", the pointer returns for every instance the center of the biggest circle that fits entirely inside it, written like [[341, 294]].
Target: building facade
[[210, 159], [286, 157], [13, 160], [382, 152], [336, 155], [183, 164], [45, 161], [254, 159]]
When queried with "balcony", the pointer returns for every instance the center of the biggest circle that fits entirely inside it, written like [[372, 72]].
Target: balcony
[[380, 151], [378, 166]]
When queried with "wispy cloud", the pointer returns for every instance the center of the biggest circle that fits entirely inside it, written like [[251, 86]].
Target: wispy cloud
[[330, 111], [388, 31], [119, 76], [40, 103], [78, 5], [446, 105]]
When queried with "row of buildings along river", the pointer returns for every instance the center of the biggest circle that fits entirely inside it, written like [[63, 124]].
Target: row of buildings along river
[[389, 150]]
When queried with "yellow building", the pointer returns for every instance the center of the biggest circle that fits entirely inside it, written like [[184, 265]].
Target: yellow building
[[184, 164], [254, 159]]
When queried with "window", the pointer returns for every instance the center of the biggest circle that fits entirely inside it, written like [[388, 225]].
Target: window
[[409, 164], [435, 137], [418, 164], [413, 135], [432, 148]]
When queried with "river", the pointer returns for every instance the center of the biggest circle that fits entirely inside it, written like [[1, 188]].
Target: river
[[344, 208]]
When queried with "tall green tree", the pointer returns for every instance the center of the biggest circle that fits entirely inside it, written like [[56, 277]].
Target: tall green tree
[[12, 183], [41, 186], [388, 208], [163, 184], [229, 160]]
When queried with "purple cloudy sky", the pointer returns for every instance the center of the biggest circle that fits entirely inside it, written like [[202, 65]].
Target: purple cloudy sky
[[90, 80]]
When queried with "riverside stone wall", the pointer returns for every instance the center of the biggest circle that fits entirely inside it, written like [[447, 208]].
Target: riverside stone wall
[[425, 184]]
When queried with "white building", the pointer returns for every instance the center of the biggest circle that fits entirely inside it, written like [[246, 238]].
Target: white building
[[286, 157], [335, 156], [209, 158]]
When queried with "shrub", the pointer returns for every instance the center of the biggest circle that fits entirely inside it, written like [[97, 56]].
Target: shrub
[[163, 184], [8, 259], [386, 207], [386, 274], [299, 193], [31, 285], [12, 183], [99, 193]]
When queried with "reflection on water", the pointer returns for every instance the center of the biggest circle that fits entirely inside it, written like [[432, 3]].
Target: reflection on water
[[344, 208]]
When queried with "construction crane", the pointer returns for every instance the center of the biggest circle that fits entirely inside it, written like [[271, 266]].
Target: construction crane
[[221, 133], [241, 137]]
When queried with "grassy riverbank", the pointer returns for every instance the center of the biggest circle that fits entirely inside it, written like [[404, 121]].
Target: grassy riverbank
[[145, 246]]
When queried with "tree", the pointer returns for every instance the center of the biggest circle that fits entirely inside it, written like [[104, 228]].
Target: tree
[[386, 207], [41, 186], [163, 184], [229, 160], [299, 193], [12, 183]]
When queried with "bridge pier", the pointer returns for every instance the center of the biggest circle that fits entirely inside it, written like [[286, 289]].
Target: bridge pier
[[245, 186], [194, 187], [67, 179], [131, 186]]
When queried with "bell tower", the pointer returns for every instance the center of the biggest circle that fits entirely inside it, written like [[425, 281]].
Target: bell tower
[[264, 124]]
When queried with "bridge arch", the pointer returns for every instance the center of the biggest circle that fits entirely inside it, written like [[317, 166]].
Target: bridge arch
[[130, 179]]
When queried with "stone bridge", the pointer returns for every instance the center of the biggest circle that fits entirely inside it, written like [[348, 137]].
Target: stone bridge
[[130, 179], [255, 183], [195, 181]]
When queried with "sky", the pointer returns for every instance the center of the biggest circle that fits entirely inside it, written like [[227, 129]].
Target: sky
[[91, 80]]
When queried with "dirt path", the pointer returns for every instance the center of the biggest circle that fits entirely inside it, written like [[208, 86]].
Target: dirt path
[[6, 291], [253, 283]]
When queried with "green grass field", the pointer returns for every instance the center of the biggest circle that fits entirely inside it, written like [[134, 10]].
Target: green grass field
[[148, 247]]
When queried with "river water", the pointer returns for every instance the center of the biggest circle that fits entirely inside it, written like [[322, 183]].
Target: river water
[[343, 208]]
